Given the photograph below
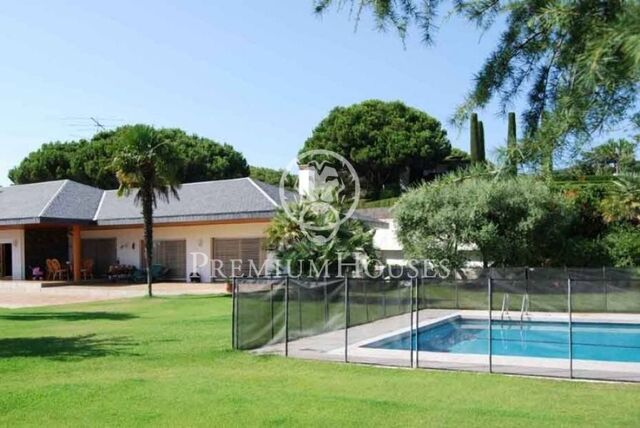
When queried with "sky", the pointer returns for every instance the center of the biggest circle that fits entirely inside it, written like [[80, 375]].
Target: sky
[[259, 75]]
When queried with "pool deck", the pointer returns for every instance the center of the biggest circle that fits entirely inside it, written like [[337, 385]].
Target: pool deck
[[331, 346]]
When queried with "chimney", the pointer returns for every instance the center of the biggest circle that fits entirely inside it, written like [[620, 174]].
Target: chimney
[[307, 178]]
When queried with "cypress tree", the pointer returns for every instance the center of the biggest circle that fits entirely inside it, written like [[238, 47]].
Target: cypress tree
[[512, 161], [481, 153], [473, 138]]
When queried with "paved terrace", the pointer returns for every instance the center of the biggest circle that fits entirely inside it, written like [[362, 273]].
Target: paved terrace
[[24, 294]]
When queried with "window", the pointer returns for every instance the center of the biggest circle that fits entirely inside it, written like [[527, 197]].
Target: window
[[246, 250], [103, 252], [170, 254]]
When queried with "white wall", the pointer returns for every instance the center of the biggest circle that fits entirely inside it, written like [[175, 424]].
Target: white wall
[[198, 240], [15, 237], [391, 250], [386, 241]]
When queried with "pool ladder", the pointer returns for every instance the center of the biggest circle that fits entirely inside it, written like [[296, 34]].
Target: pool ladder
[[525, 306], [506, 301]]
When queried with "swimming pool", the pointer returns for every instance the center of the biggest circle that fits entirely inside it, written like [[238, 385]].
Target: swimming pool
[[543, 339]]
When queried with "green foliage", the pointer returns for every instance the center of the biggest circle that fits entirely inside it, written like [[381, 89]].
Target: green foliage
[[296, 248], [457, 159], [272, 176], [482, 155], [605, 228], [458, 155], [578, 62], [583, 245], [380, 203], [623, 246], [612, 157], [512, 222], [474, 144], [386, 142], [622, 204], [585, 200], [90, 162], [512, 145], [580, 251], [148, 164]]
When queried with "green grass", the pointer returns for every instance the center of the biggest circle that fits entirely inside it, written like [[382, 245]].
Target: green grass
[[379, 203], [168, 362]]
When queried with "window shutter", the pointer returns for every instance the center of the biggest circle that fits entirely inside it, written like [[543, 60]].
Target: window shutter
[[245, 250]]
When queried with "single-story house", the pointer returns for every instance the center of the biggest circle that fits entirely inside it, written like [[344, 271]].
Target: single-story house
[[224, 219], [65, 220]]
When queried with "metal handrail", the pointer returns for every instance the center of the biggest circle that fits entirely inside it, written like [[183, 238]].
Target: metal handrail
[[506, 302], [525, 306]]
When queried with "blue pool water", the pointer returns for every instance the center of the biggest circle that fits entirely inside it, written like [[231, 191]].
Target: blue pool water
[[591, 341]]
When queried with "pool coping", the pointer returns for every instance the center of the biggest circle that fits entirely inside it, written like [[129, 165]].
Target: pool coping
[[440, 359]]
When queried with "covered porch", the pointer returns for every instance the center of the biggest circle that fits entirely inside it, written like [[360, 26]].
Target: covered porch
[[44, 252]]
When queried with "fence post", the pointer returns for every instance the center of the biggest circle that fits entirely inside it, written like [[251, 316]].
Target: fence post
[[286, 316], [346, 318], [384, 301], [271, 302], [490, 301], [570, 328], [606, 295], [234, 315], [366, 300], [418, 321], [457, 294], [411, 321], [326, 305], [300, 330]]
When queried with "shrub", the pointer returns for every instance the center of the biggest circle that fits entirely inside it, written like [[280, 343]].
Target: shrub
[[514, 221], [623, 246]]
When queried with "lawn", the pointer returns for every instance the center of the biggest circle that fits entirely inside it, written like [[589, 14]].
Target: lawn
[[167, 361]]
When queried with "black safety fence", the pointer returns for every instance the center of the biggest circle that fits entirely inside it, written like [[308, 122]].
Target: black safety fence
[[573, 323]]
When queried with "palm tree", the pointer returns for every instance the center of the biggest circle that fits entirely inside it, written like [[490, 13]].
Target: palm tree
[[147, 165], [293, 232], [616, 154], [623, 204]]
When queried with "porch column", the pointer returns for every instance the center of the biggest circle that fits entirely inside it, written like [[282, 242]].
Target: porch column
[[77, 252]]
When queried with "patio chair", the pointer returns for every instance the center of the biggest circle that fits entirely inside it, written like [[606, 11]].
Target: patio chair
[[50, 270], [87, 269], [58, 270], [157, 272]]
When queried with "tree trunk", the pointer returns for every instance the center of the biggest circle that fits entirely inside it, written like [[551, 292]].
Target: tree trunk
[[147, 215]]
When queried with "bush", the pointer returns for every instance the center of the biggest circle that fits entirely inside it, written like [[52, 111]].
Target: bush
[[585, 199], [512, 222], [623, 246], [584, 252]]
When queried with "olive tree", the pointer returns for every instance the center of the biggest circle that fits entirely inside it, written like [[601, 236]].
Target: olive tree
[[512, 221]]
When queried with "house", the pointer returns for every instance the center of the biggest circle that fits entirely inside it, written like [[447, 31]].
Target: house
[[224, 219]]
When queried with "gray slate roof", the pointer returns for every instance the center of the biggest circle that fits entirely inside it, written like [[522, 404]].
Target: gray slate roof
[[48, 202], [65, 201], [240, 198]]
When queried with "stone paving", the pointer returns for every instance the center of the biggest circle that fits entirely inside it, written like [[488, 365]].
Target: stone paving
[[23, 294]]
